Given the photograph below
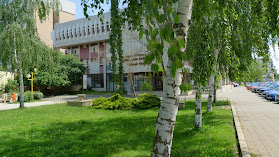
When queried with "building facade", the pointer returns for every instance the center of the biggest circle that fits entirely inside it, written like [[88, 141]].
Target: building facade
[[66, 13], [89, 41]]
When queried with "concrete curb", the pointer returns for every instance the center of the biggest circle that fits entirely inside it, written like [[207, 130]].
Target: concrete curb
[[240, 136]]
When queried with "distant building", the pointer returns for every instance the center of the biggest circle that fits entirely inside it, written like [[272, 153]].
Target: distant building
[[89, 41], [269, 76], [66, 13]]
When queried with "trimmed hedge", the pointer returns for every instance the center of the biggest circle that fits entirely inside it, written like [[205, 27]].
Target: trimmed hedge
[[117, 102], [146, 101]]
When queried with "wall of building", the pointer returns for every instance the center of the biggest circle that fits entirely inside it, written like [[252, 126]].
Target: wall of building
[[66, 13], [4, 76], [89, 41], [45, 28]]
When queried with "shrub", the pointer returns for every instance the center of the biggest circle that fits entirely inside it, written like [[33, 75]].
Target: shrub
[[28, 96], [146, 101], [116, 102], [11, 85], [38, 95]]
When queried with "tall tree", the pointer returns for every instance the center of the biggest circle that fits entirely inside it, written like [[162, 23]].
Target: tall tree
[[18, 35], [116, 46], [166, 22]]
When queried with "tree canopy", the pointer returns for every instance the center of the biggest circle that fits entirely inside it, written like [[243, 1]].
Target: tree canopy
[[20, 45], [67, 70]]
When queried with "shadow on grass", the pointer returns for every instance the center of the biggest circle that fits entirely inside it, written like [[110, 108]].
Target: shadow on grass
[[122, 136], [190, 105], [84, 138]]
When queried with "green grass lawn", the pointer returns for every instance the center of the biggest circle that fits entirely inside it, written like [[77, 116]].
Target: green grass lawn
[[61, 130]]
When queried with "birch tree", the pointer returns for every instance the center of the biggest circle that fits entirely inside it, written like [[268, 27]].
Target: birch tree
[[165, 27], [226, 34], [19, 41]]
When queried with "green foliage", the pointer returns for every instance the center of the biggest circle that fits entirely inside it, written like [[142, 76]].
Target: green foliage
[[11, 85], [38, 95], [68, 71], [28, 96], [116, 102], [20, 44], [146, 101], [185, 87], [253, 73], [74, 68], [116, 47]]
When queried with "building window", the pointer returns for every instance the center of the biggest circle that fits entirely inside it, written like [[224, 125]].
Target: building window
[[107, 26], [94, 59], [103, 28], [98, 31], [88, 31], [93, 29], [84, 31], [97, 80]]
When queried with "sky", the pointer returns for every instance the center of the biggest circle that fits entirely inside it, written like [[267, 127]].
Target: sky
[[275, 57], [79, 9], [79, 14]]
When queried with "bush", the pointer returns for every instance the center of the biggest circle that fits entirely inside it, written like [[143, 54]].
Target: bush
[[28, 96], [11, 85], [38, 95], [146, 101], [116, 102]]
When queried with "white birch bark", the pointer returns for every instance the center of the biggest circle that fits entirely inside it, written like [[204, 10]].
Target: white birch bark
[[198, 109], [131, 81], [210, 93], [211, 84], [215, 92], [168, 109], [21, 84]]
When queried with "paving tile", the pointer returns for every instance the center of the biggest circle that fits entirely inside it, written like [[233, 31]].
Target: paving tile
[[259, 120]]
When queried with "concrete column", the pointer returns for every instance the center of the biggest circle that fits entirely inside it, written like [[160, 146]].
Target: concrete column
[[105, 67]]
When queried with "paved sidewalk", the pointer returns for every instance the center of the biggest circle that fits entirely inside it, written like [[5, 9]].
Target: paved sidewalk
[[7, 106], [259, 120]]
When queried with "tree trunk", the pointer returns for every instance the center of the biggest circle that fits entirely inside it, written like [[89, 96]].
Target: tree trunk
[[168, 109], [198, 109], [215, 92], [211, 82], [164, 80], [131, 81], [210, 93], [21, 84], [167, 114]]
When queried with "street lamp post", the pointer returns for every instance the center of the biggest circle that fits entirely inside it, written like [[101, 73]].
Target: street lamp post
[[31, 78]]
